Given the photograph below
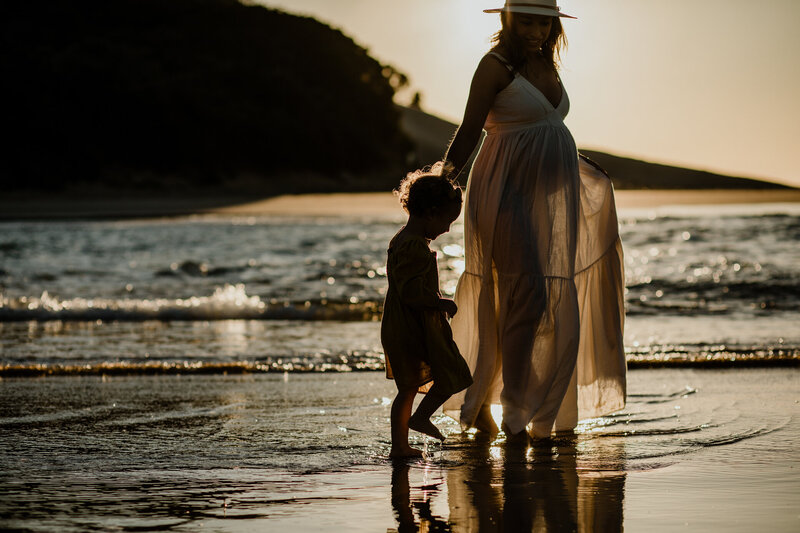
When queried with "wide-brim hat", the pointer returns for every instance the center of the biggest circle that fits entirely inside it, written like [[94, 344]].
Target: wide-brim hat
[[547, 8]]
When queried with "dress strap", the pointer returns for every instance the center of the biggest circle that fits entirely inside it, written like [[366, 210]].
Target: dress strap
[[503, 60]]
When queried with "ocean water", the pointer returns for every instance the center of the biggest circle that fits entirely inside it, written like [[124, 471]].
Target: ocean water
[[705, 285], [248, 433], [711, 449]]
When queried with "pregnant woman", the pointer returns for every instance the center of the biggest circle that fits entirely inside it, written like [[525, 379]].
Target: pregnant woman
[[541, 299]]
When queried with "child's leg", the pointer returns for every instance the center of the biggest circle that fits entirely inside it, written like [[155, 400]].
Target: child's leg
[[401, 411], [421, 419]]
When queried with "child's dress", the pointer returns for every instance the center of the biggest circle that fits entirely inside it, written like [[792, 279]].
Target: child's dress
[[416, 337]]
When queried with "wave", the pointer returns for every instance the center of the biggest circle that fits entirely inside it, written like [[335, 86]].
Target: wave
[[232, 302], [779, 293], [712, 356], [226, 303], [371, 361], [183, 367]]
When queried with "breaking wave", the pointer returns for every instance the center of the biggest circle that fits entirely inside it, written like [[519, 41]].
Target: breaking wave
[[226, 303]]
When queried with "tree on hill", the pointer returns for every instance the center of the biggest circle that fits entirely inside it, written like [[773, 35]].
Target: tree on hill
[[200, 89]]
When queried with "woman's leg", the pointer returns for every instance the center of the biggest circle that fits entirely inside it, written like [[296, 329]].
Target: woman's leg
[[485, 421]]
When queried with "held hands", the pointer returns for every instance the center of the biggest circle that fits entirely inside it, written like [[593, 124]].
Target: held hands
[[448, 307]]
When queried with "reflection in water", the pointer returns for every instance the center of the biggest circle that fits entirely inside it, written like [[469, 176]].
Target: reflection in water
[[540, 492], [566, 484], [302, 452], [404, 505]]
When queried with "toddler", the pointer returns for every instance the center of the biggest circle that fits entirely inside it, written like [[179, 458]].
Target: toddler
[[420, 353]]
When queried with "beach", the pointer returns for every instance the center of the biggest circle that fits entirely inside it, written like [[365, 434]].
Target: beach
[[72, 205], [697, 450], [197, 201], [216, 365]]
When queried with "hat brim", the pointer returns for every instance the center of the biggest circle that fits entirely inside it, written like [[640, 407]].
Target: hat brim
[[546, 11]]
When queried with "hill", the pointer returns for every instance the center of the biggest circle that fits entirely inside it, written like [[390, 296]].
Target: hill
[[184, 93], [207, 96], [627, 173], [431, 136]]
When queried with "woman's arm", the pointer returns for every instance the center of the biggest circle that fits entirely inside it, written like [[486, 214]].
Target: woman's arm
[[490, 78]]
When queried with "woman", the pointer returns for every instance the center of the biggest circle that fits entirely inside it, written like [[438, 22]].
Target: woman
[[541, 299]]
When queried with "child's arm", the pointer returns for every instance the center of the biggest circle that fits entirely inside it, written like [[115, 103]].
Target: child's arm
[[448, 307], [413, 292], [410, 271]]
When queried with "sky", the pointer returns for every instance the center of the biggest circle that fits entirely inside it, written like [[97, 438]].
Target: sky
[[706, 84]]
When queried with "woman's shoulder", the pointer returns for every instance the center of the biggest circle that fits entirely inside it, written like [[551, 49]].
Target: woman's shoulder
[[494, 69], [498, 55]]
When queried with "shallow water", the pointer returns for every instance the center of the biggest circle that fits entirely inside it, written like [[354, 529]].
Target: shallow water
[[714, 449], [222, 293]]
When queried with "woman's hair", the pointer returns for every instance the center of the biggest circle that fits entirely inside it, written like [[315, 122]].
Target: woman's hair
[[514, 47], [429, 190]]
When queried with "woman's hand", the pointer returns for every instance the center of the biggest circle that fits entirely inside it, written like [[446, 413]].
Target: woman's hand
[[448, 307]]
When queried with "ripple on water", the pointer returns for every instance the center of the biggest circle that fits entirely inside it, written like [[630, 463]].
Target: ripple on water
[[155, 451]]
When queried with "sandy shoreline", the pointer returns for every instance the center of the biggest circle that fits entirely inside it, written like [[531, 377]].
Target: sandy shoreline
[[694, 450], [29, 207]]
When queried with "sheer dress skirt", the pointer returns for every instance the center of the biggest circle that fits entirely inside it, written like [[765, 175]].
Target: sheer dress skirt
[[541, 299]]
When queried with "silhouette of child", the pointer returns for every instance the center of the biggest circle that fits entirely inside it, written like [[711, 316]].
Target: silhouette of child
[[420, 353]]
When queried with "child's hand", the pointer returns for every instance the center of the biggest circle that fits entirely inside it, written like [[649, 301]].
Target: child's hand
[[448, 307]]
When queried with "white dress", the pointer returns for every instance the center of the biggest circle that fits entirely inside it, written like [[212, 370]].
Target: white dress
[[540, 303]]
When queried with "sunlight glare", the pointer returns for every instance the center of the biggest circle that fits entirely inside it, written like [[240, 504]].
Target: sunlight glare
[[497, 414]]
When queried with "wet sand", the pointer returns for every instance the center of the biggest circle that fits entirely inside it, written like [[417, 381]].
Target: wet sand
[[44, 207], [698, 450]]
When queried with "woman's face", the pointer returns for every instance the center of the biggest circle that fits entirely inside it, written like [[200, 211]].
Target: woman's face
[[532, 29]]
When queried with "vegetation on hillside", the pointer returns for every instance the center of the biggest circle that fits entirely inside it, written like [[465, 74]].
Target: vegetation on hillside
[[627, 173], [198, 91]]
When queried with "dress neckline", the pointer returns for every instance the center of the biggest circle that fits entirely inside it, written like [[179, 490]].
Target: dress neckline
[[540, 93], [516, 74]]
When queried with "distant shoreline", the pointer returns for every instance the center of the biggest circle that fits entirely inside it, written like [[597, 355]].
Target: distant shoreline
[[19, 206]]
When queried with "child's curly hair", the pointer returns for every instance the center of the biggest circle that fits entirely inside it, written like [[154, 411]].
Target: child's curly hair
[[429, 190]]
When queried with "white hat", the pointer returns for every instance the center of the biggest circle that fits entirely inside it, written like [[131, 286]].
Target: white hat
[[541, 7]]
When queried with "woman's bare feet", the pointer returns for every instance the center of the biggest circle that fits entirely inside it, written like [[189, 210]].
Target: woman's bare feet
[[485, 421], [515, 439], [424, 425], [404, 451]]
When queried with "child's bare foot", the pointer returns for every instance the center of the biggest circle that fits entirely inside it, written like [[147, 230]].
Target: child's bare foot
[[405, 451], [424, 425], [485, 422]]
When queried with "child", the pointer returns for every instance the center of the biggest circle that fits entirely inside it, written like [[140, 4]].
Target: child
[[415, 334]]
